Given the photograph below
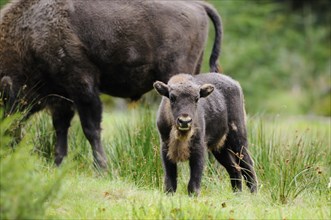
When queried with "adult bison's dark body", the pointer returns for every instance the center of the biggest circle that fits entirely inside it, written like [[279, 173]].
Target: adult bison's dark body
[[61, 54], [200, 112]]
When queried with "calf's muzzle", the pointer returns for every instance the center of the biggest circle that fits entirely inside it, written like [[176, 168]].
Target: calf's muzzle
[[184, 123]]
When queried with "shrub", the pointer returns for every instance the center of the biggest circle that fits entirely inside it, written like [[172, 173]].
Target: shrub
[[25, 192]]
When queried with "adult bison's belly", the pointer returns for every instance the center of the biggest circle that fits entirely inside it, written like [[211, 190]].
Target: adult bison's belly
[[127, 81]]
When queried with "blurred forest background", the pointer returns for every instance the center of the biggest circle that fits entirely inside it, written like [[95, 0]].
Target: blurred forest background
[[280, 53], [279, 50]]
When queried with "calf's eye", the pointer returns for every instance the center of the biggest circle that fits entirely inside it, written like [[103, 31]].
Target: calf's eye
[[196, 99], [172, 98]]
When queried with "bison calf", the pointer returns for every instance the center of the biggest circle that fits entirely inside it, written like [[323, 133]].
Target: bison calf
[[200, 112]]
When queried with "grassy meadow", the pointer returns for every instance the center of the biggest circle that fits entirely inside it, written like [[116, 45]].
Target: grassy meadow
[[291, 158], [281, 57]]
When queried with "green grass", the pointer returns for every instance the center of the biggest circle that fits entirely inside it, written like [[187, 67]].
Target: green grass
[[27, 189], [99, 198], [291, 157]]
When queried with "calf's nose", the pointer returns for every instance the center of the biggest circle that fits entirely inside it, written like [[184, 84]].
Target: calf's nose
[[184, 122]]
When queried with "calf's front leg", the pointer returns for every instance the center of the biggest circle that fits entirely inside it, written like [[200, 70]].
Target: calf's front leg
[[196, 163], [170, 171]]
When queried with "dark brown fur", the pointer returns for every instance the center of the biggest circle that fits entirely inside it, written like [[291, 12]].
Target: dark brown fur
[[199, 113], [65, 52]]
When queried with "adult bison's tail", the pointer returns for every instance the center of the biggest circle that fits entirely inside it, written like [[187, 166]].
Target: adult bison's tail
[[216, 19]]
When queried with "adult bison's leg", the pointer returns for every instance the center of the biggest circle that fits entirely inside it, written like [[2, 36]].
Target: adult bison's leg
[[170, 172], [248, 171], [84, 92], [226, 158], [90, 110], [62, 113]]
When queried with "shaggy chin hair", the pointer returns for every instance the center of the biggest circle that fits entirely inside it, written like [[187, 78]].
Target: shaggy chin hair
[[179, 145]]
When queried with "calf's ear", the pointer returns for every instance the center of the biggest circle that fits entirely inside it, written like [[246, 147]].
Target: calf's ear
[[161, 88], [206, 89]]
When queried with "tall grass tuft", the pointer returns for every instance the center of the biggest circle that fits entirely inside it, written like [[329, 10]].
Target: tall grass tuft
[[25, 192], [79, 149], [134, 150], [289, 163], [43, 136], [44, 140]]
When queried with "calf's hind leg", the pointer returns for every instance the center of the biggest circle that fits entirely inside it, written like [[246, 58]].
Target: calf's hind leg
[[247, 165], [236, 143], [226, 158]]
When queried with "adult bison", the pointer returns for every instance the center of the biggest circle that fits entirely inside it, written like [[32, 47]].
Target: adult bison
[[61, 54]]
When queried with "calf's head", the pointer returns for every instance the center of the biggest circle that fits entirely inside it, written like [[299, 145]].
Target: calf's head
[[184, 94]]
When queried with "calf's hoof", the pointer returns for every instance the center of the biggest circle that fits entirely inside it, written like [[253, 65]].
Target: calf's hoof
[[193, 191]]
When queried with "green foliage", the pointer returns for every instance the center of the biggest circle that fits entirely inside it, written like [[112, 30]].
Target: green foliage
[[3, 2], [43, 138], [276, 53], [25, 191]]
